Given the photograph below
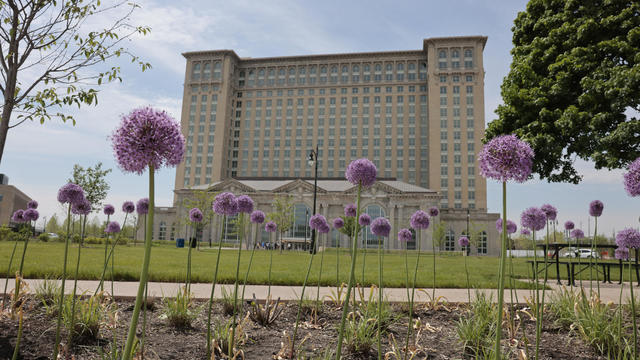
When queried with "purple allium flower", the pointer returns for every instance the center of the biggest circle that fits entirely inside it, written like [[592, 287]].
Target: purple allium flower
[[533, 218], [577, 233], [362, 171], [381, 227], [109, 209], [147, 137], [30, 215], [81, 208], [142, 206], [419, 220], [112, 227], [18, 216], [225, 204], [525, 231], [128, 207], [364, 220], [628, 238], [632, 178], [338, 223], [245, 204], [511, 226], [463, 241], [622, 253], [257, 217], [405, 235], [70, 193], [195, 215], [270, 226], [433, 211], [324, 228], [316, 221], [506, 158], [32, 204], [350, 210], [595, 208], [550, 211], [569, 225]]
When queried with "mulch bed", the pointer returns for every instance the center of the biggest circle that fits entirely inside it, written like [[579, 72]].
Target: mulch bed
[[438, 339]]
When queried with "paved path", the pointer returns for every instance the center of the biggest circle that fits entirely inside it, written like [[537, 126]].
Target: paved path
[[609, 292]]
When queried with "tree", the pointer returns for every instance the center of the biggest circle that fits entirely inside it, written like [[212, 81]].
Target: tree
[[48, 51], [439, 233], [574, 77], [282, 214], [52, 225], [92, 180]]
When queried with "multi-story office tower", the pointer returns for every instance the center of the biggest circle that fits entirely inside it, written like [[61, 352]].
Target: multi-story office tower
[[417, 114]]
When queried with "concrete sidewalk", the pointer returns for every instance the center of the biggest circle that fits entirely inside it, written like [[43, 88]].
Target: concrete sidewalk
[[125, 289]]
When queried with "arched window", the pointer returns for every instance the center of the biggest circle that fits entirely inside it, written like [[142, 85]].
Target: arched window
[[389, 67], [162, 230], [468, 53], [300, 227], [375, 211], [412, 66], [345, 69], [207, 71], [355, 68], [195, 72], [482, 243], [442, 54], [378, 67], [450, 240], [334, 69], [323, 70], [455, 54], [292, 71]]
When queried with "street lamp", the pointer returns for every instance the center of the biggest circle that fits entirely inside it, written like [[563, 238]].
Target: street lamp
[[313, 160]]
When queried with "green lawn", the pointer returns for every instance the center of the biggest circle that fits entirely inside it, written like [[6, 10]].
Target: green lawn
[[168, 264]]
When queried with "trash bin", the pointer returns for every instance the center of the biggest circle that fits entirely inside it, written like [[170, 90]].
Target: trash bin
[[193, 242], [179, 243]]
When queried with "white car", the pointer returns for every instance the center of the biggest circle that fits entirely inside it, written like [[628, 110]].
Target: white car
[[582, 253]]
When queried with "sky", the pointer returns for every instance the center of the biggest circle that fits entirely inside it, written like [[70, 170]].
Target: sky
[[38, 159]]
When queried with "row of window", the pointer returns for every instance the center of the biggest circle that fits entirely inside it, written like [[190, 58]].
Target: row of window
[[331, 91]]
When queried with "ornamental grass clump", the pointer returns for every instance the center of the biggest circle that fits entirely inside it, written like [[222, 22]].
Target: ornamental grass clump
[[362, 173], [82, 209], [535, 219], [70, 194], [225, 204], [146, 140], [380, 228], [503, 159], [629, 238]]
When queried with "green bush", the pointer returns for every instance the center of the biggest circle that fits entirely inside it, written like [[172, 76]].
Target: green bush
[[44, 237], [17, 236], [4, 232]]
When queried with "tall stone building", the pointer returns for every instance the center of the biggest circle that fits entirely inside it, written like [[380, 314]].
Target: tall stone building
[[417, 114]]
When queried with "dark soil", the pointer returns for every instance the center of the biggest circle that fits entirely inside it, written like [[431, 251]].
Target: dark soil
[[437, 339]]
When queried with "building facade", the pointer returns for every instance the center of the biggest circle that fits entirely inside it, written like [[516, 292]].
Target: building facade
[[250, 124], [11, 199], [417, 114], [395, 200]]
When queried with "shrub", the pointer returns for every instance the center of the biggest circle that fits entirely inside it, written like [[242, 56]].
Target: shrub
[[47, 291], [17, 236], [178, 310], [4, 232], [43, 237], [477, 330]]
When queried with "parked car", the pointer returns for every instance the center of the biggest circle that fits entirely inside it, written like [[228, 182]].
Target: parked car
[[52, 235], [581, 253]]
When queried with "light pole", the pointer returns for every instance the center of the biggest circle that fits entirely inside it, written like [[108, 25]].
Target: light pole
[[313, 160]]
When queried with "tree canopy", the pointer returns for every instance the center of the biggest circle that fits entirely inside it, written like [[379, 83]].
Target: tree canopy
[[49, 51], [573, 90], [92, 180]]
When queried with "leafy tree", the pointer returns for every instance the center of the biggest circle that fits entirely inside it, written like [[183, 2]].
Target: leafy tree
[[48, 51], [201, 199], [439, 233], [574, 77], [52, 225], [92, 180], [282, 214]]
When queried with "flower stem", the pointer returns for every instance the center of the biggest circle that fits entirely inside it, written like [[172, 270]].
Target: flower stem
[[213, 287], [56, 347], [633, 313], [188, 280], [536, 300], [380, 289], [413, 292], [270, 266], [503, 254], [16, 350], [106, 250], [466, 270], [304, 286], [345, 308], [6, 281], [253, 250], [235, 288], [75, 282], [19, 277], [111, 253], [145, 271], [320, 275], [595, 235]]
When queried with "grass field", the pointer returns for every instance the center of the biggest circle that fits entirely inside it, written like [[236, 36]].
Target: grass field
[[168, 264]]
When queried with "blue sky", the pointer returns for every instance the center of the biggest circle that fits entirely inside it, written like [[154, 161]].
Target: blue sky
[[39, 158]]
